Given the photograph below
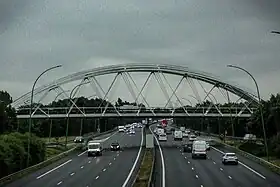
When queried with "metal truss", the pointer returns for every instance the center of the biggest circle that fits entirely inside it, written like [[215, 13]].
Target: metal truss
[[157, 71], [162, 112]]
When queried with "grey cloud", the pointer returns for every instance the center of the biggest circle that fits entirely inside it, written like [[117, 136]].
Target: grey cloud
[[83, 34]]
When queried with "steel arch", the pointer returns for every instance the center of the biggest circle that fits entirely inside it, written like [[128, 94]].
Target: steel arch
[[164, 68]]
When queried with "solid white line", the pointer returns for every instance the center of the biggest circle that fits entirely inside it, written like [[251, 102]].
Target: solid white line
[[54, 169], [82, 153], [135, 162], [162, 159], [252, 170]]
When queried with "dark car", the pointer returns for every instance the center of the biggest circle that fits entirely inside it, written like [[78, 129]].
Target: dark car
[[115, 146], [79, 139], [187, 148]]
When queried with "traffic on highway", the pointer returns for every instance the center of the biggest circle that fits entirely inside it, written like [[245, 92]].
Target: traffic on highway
[[186, 159], [109, 160]]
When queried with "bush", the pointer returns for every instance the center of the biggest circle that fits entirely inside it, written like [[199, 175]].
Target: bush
[[13, 152], [275, 145], [253, 148]]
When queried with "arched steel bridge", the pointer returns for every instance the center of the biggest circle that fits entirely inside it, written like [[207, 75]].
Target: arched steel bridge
[[124, 70]]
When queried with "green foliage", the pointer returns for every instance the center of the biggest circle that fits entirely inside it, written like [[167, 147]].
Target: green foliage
[[253, 148], [13, 152]]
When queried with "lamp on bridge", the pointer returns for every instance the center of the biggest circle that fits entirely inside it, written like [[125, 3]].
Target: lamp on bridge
[[260, 103]]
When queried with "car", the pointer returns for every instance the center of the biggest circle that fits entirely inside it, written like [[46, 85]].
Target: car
[[162, 137], [115, 146], [187, 147], [185, 135], [79, 139], [230, 158], [192, 138]]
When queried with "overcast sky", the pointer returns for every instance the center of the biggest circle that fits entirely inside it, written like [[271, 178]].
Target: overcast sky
[[82, 34]]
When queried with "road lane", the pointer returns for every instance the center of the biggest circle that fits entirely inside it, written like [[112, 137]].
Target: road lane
[[118, 172], [71, 162], [211, 172], [252, 168]]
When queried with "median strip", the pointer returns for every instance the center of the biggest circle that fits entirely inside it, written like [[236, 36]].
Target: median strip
[[146, 169]]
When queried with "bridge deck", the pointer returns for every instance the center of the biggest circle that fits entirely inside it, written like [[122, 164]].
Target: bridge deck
[[40, 116]]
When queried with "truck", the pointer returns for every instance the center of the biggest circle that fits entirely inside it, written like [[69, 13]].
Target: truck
[[94, 148], [178, 135], [199, 149], [121, 128]]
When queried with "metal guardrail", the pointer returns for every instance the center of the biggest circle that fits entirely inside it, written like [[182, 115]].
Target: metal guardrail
[[21, 173], [230, 137]]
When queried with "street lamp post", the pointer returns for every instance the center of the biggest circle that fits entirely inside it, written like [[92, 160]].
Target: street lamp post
[[30, 110], [260, 105], [69, 100]]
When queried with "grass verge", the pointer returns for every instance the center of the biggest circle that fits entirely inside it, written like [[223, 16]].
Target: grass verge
[[59, 139], [145, 170]]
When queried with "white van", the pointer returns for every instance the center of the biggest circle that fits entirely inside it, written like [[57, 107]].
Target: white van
[[94, 148], [178, 135], [162, 137], [199, 149]]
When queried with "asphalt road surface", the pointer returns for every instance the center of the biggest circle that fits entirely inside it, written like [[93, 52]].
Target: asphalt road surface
[[182, 170], [111, 169]]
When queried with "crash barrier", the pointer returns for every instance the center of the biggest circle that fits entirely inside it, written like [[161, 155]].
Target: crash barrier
[[33, 168], [241, 139], [145, 172], [21, 173], [254, 158]]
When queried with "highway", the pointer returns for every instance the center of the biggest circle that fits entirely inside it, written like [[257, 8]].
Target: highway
[[116, 168], [182, 170]]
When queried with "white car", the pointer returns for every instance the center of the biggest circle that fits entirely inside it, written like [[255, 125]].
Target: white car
[[185, 135], [162, 137], [192, 138], [230, 158]]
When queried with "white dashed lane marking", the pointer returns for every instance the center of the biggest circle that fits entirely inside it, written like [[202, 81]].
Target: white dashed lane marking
[[97, 177], [59, 183], [104, 169], [72, 174]]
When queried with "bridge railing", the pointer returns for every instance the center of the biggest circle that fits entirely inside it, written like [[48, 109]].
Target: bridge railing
[[100, 110]]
